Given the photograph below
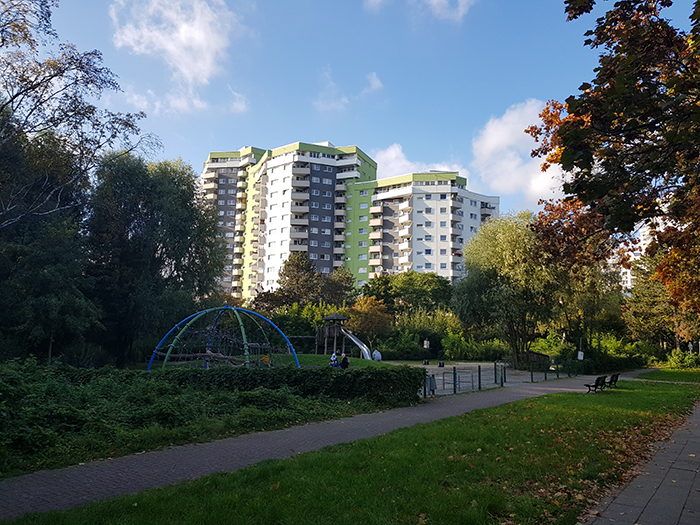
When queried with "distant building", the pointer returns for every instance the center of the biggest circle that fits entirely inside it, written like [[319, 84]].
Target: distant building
[[327, 201]]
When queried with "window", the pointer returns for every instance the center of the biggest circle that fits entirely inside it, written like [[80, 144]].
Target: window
[[443, 210], [325, 231], [317, 167], [472, 203], [443, 266], [328, 181], [443, 251], [428, 237], [314, 204], [396, 255], [313, 243], [315, 192], [428, 251], [428, 197], [428, 266], [222, 181], [443, 196], [428, 210], [363, 218], [231, 223], [443, 237], [314, 217], [313, 256], [443, 224], [229, 234], [231, 192], [364, 205], [325, 270], [327, 193], [362, 270], [362, 257], [221, 203], [472, 215], [231, 203], [222, 192], [327, 206], [362, 244], [315, 179], [221, 223], [364, 193], [326, 218], [231, 181], [326, 244], [362, 231], [313, 230], [428, 224], [230, 212]]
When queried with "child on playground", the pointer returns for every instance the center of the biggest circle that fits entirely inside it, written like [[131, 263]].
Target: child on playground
[[334, 360]]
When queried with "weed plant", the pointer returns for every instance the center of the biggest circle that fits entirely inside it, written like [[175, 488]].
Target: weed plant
[[535, 461], [56, 416]]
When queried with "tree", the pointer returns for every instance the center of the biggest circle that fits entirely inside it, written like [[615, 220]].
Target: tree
[[298, 283], [51, 89], [380, 287], [414, 290], [502, 286], [338, 288], [629, 141], [150, 237], [369, 319]]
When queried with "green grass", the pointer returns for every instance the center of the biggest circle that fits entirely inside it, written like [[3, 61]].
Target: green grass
[[324, 360], [669, 374], [528, 462]]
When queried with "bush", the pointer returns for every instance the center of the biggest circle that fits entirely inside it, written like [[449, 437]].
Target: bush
[[680, 359], [455, 347]]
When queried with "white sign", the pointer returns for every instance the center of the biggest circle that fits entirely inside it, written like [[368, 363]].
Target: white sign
[[580, 356]]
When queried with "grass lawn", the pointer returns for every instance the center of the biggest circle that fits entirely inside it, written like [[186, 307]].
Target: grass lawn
[[668, 374], [324, 360], [535, 461]]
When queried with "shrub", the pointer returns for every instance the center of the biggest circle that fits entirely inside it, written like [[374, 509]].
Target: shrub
[[680, 359], [455, 347]]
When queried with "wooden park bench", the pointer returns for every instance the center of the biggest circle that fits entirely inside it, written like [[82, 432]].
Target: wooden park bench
[[613, 380], [599, 384]]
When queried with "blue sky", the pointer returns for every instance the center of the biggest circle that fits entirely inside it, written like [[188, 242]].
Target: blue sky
[[417, 84]]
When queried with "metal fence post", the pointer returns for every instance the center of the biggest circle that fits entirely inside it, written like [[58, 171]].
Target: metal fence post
[[479, 373], [454, 379], [532, 377], [505, 376], [545, 372], [495, 373], [502, 367]]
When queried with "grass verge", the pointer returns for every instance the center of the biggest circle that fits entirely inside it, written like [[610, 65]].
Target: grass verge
[[530, 462], [669, 374]]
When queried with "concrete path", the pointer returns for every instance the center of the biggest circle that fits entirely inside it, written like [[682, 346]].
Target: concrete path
[[81, 484], [668, 490]]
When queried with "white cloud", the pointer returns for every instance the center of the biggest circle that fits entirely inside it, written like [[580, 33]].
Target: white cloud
[[374, 84], [239, 104], [332, 98], [447, 9], [502, 163], [392, 161], [190, 36], [373, 5]]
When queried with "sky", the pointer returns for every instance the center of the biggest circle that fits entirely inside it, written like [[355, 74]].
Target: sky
[[416, 84]]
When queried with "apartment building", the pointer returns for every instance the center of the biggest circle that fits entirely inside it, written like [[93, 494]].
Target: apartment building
[[275, 202], [419, 221], [327, 201]]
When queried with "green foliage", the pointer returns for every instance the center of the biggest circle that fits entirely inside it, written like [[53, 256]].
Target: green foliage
[[682, 360], [58, 415], [431, 325], [457, 348], [553, 346], [403, 345]]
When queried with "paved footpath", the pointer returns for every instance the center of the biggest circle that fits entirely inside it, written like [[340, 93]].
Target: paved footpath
[[81, 484]]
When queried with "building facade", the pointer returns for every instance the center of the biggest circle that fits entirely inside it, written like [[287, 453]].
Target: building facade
[[327, 201]]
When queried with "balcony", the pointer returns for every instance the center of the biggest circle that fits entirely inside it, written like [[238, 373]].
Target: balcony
[[298, 170], [347, 161], [238, 259], [240, 205], [242, 185], [235, 281], [405, 232], [238, 249], [300, 195], [405, 206], [340, 211], [348, 174], [376, 264], [300, 209], [299, 222], [339, 250], [209, 186], [238, 272], [376, 223], [341, 186], [405, 220], [405, 246], [376, 235], [207, 175], [376, 209], [405, 260], [237, 295], [340, 199], [210, 196], [239, 238], [301, 183], [375, 248], [339, 237], [337, 264], [339, 225], [298, 247], [299, 234]]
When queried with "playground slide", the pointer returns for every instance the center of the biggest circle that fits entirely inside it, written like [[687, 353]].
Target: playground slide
[[365, 350]]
